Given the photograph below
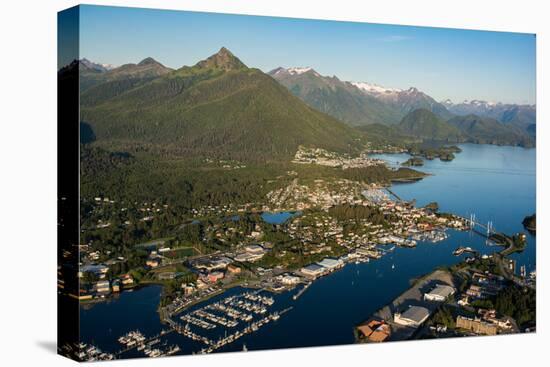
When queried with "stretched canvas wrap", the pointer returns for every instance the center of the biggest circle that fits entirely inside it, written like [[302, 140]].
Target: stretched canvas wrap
[[231, 183]]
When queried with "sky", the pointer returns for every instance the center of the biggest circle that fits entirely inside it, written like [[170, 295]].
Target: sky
[[444, 63]]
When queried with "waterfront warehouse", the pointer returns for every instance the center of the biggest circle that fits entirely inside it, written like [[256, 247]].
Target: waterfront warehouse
[[440, 293], [414, 316], [331, 264], [313, 270]]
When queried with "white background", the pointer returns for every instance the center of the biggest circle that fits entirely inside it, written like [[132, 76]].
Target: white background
[[28, 181]]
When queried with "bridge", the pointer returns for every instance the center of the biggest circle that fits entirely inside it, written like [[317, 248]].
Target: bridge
[[487, 229]]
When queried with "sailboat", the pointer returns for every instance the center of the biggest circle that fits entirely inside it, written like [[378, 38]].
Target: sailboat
[[245, 349], [393, 266]]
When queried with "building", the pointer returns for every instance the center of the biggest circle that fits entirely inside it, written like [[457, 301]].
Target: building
[[474, 291], [331, 264], [248, 257], [153, 262], [290, 279], [313, 270], [214, 263], [215, 276], [201, 284], [116, 285], [440, 293], [375, 331], [188, 288], [414, 316], [464, 300], [127, 279], [372, 253], [233, 269], [167, 275], [102, 286], [254, 249], [491, 316], [99, 270], [476, 325]]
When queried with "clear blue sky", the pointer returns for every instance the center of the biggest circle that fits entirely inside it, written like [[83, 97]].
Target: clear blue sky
[[445, 63]]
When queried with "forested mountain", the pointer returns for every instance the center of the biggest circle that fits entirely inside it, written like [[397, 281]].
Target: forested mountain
[[363, 104], [97, 85], [424, 124], [521, 116], [485, 130], [216, 108]]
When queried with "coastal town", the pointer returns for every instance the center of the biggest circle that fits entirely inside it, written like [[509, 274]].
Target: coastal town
[[302, 232]]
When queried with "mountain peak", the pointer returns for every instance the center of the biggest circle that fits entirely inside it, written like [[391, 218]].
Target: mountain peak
[[376, 89], [299, 70], [293, 71], [149, 61], [90, 65], [223, 59]]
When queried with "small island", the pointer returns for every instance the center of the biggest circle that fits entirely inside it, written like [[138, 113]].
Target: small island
[[413, 162], [444, 153], [530, 223]]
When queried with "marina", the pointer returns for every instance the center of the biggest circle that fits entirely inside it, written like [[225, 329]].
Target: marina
[[246, 312]]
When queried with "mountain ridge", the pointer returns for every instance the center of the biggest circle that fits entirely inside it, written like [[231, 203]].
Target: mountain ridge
[[217, 108], [357, 103]]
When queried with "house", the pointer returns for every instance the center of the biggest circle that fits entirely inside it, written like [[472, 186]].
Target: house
[[116, 285], [127, 279], [414, 316], [153, 262], [375, 331], [440, 293]]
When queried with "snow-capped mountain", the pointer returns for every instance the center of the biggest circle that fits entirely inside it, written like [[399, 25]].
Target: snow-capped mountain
[[298, 70], [358, 103], [404, 100], [96, 66], [293, 71], [516, 114], [375, 88]]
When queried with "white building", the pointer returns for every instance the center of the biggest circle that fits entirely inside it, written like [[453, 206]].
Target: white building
[[330, 263], [440, 293], [313, 270], [290, 279], [254, 249], [414, 316], [248, 257]]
